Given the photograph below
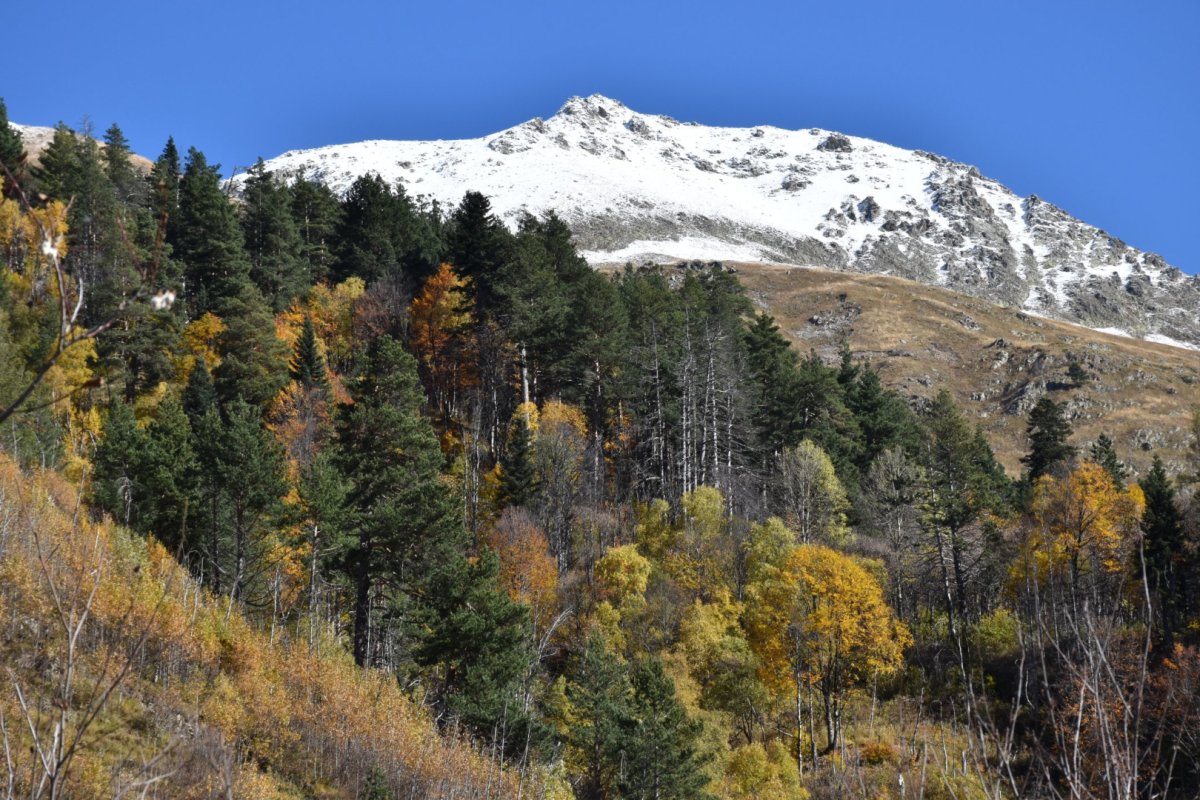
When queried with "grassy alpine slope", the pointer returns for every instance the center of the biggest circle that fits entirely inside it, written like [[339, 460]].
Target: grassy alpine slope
[[123, 678]]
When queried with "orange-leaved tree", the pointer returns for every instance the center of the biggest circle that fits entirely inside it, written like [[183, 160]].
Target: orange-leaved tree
[[440, 319]]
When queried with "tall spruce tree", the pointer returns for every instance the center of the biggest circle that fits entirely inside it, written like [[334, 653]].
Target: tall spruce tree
[[308, 365], [254, 361], [57, 165], [170, 474], [13, 161], [163, 193], [199, 394], [478, 639], [118, 165], [964, 482], [207, 239], [117, 486], [273, 244], [241, 484], [479, 245], [1105, 454], [662, 758], [598, 693], [366, 246], [1048, 431], [1164, 550], [518, 476], [401, 514], [315, 212]]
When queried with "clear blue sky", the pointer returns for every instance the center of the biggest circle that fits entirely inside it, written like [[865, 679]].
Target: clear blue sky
[[1093, 105]]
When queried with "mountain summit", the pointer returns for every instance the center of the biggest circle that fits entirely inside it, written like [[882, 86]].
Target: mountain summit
[[642, 187]]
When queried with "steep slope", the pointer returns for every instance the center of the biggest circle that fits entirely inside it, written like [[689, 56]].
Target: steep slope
[[997, 361], [137, 682], [642, 187]]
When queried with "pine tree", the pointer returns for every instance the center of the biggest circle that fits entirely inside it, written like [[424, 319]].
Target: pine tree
[[116, 480], [13, 160], [1164, 550], [964, 482], [366, 231], [772, 365], [401, 513], [598, 694], [315, 212], [254, 361], [119, 168], [478, 247], [163, 195], [169, 470], [99, 251], [661, 756], [1105, 454], [272, 242], [518, 476], [240, 487], [250, 469], [199, 395], [57, 164], [1048, 431], [477, 637], [208, 240], [308, 365]]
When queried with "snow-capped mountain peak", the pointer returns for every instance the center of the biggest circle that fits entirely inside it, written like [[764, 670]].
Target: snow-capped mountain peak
[[637, 186]]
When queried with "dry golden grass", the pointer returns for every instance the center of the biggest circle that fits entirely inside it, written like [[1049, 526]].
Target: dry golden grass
[[924, 338], [218, 706]]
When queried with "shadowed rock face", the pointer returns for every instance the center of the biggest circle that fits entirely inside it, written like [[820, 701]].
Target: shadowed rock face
[[643, 187]]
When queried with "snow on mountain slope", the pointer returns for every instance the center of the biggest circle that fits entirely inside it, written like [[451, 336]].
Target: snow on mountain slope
[[638, 187]]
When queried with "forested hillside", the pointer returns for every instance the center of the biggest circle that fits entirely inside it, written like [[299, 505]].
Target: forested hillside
[[356, 496]]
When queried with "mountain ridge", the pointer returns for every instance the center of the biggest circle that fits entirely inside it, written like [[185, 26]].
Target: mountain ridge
[[644, 187]]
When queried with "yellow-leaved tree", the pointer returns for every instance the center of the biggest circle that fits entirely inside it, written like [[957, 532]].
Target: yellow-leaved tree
[[1082, 527], [818, 622]]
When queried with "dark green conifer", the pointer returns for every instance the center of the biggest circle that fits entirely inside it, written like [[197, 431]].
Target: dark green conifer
[[254, 362], [208, 241], [662, 760], [1048, 432], [128, 184], [169, 470], [518, 476], [199, 396], [272, 242], [478, 247], [366, 231], [1164, 550], [478, 639], [1105, 454], [315, 212], [57, 165], [599, 695], [401, 514], [163, 195], [308, 365], [13, 160], [117, 488]]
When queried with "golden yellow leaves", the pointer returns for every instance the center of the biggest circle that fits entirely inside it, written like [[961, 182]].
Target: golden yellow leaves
[[1080, 524]]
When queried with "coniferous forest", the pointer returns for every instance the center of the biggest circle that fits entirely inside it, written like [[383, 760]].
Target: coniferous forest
[[305, 495]]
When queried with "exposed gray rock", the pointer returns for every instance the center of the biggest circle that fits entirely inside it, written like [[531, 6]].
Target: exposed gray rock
[[835, 142]]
